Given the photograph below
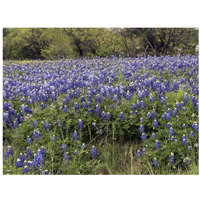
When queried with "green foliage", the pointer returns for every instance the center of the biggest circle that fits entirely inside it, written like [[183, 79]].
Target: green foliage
[[45, 43]]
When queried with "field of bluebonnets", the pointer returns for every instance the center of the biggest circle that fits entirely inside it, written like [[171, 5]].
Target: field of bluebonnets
[[101, 116]]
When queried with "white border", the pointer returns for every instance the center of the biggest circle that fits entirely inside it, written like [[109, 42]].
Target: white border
[[91, 13]]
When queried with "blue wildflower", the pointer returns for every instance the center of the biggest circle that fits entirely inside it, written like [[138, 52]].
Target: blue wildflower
[[139, 153], [80, 124], [67, 156], [28, 152], [29, 140], [155, 123], [141, 128], [46, 172], [64, 147], [75, 136], [172, 158], [121, 116], [9, 152], [184, 140], [153, 135], [43, 151], [157, 144], [155, 163], [171, 131], [18, 163], [26, 170], [53, 138], [192, 134], [148, 115], [143, 136], [93, 152], [189, 148]]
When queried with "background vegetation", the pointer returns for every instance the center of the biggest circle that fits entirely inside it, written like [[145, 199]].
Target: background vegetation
[[45, 43]]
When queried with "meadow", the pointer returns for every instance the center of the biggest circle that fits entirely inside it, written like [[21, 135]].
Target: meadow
[[112, 115]]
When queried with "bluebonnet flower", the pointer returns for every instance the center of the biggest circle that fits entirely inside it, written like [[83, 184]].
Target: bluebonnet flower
[[35, 124], [115, 98], [181, 104], [139, 153], [65, 109], [42, 106], [183, 125], [171, 131], [186, 97], [108, 116], [157, 144], [141, 120], [189, 148], [36, 134], [38, 160], [75, 152], [169, 125], [134, 107], [18, 163], [143, 105], [162, 101], [97, 111], [112, 106], [98, 98], [82, 99], [121, 116], [53, 138], [28, 152], [67, 156], [155, 163], [178, 105], [93, 152], [43, 151], [154, 113], [195, 126], [83, 146], [155, 123], [167, 116], [46, 172], [46, 125], [103, 116], [80, 124], [143, 150], [83, 104], [29, 140], [172, 158], [29, 163], [75, 136], [64, 147], [186, 161], [148, 115], [21, 157], [153, 135], [184, 109], [141, 128], [143, 136], [175, 112], [9, 152], [26, 170], [172, 138], [192, 134], [135, 112], [184, 140], [76, 106], [8, 172]]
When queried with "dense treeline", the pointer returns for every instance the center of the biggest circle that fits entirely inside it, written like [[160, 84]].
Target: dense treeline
[[45, 43]]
